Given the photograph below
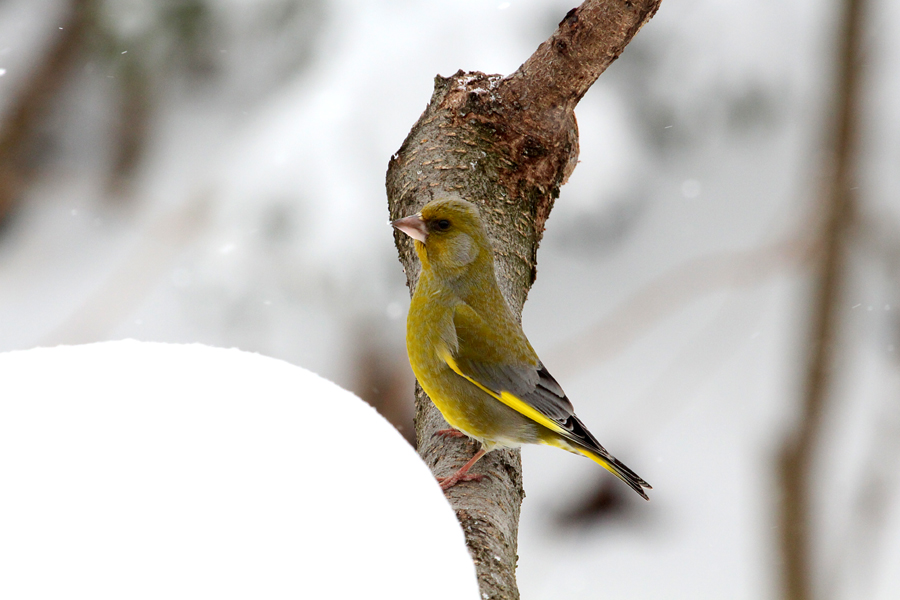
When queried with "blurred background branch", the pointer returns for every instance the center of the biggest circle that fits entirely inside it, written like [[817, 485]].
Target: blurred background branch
[[838, 209], [672, 291]]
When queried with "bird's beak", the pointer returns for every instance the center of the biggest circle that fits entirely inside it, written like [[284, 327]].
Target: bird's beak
[[413, 226]]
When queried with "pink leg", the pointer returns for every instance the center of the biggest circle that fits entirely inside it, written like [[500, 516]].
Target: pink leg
[[462, 474], [450, 433]]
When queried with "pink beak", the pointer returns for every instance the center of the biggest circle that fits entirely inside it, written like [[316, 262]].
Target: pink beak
[[413, 226]]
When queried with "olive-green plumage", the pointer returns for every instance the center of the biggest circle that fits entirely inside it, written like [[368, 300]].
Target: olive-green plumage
[[471, 356]]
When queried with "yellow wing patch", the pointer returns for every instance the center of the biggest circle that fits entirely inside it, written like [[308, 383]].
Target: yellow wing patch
[[524, 408], [506, 398]]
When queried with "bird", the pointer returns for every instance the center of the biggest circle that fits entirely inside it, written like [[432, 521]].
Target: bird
[[470, 354]]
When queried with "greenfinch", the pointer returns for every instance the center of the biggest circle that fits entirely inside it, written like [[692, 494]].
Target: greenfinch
[[470, 354]]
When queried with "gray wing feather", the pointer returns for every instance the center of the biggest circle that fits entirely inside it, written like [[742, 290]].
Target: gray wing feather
[[532, 383], [493, 367]]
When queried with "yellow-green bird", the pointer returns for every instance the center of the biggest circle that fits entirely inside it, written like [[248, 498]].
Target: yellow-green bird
[[471, 356]]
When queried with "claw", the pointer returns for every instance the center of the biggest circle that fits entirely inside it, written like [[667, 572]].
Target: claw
[[449, 482], [450, 433], [463, 473]]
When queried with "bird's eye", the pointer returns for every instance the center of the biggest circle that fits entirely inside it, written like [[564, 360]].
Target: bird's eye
[[443, 224]]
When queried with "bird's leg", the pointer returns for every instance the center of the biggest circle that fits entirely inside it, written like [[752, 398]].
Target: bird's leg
[[462, 474], [450, 433]]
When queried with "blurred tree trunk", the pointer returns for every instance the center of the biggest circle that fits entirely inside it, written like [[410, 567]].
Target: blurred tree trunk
[[506, 144], [132, 126], [32, 104], [83, 35], [837, 212]]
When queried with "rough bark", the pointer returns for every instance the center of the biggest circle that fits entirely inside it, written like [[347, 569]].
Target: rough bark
[[837, 213], [507, 144]]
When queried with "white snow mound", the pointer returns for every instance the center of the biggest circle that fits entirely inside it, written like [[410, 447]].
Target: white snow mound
[[144, 470]]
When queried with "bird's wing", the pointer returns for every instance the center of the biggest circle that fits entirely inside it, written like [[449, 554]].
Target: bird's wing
[[496, 357], [499, 360]]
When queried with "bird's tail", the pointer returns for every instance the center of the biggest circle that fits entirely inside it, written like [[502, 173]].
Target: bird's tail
[[575, 438], [617, 468]]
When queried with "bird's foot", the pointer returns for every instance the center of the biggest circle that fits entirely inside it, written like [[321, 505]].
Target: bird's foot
[[450, 433], [449, 482], [463, 473]]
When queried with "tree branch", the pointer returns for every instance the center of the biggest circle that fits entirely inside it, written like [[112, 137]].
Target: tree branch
[[507, 144], [564, 67]]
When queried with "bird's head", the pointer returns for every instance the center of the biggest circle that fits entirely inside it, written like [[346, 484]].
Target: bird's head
[[449, 235]]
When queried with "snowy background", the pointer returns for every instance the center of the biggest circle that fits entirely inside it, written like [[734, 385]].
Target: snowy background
[[213, 171]]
